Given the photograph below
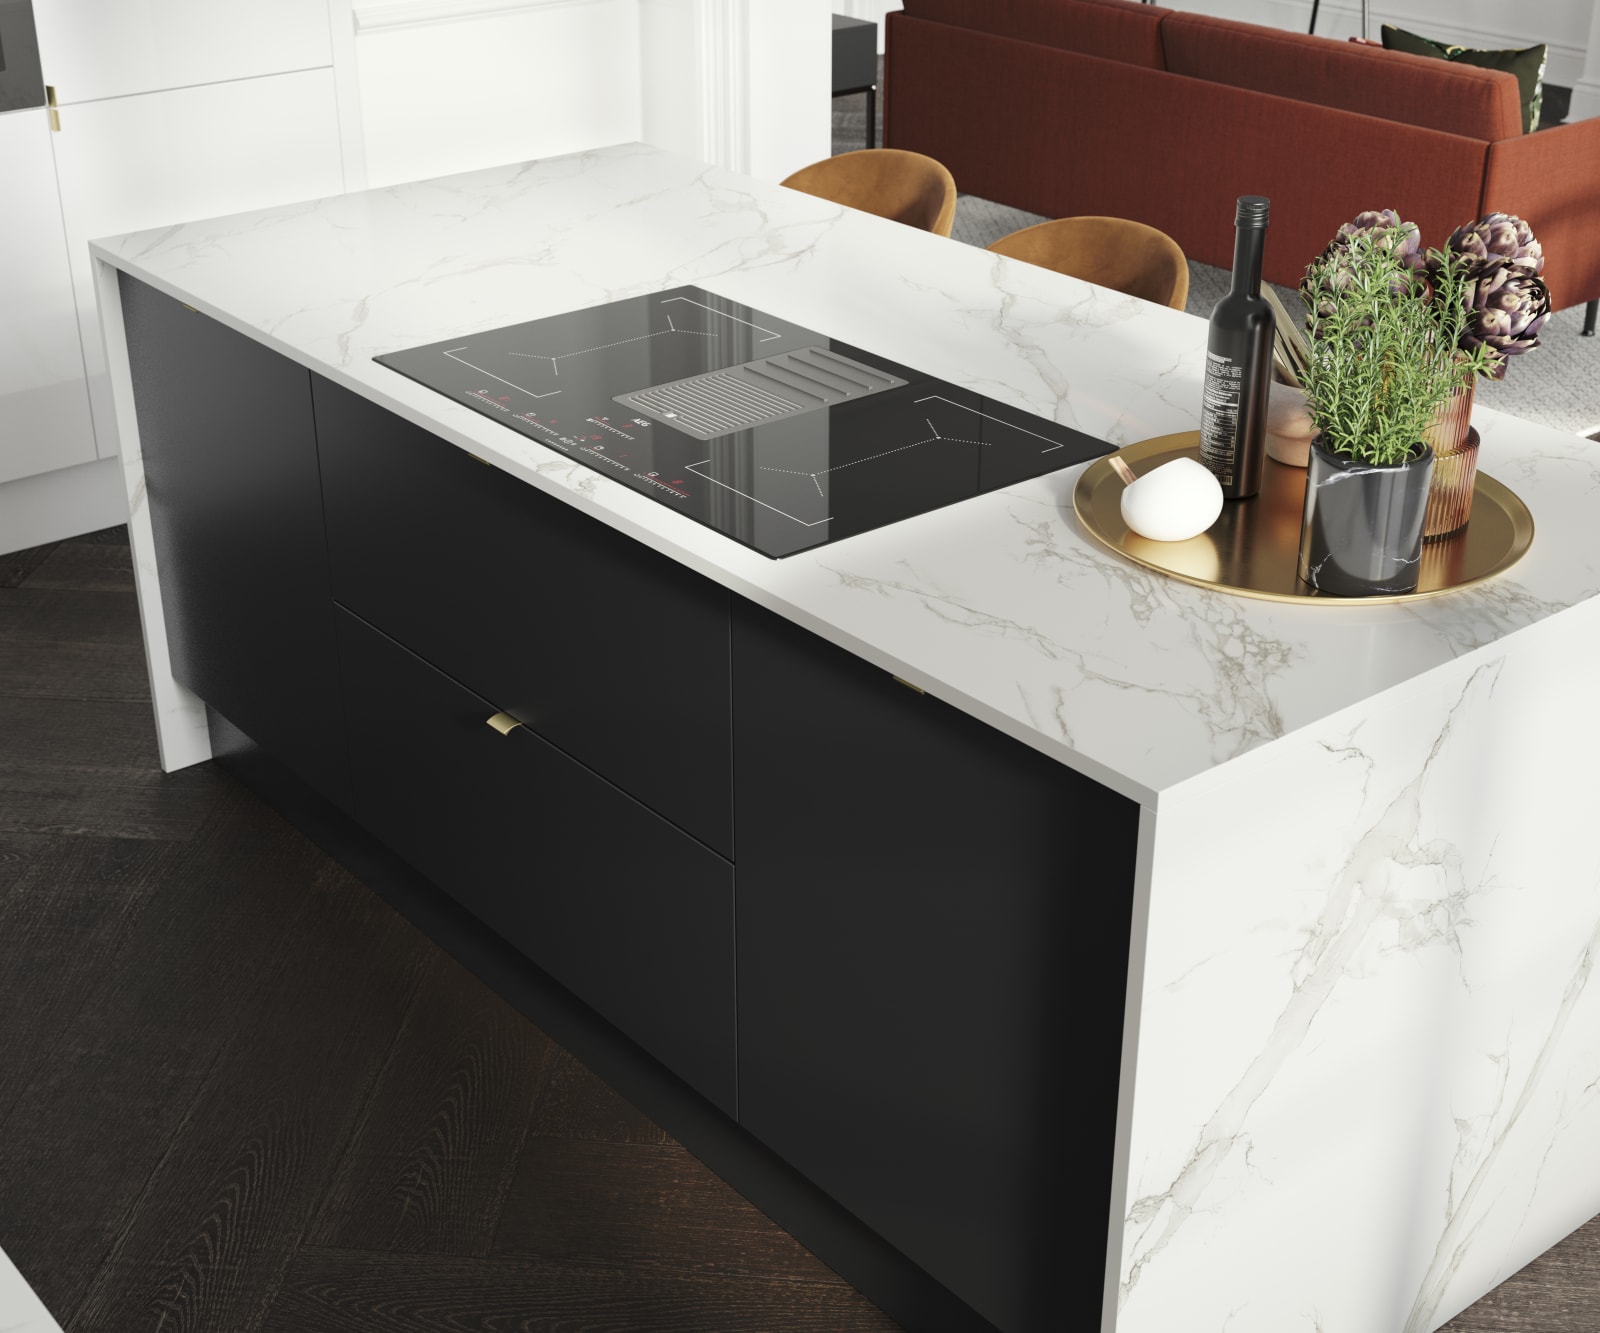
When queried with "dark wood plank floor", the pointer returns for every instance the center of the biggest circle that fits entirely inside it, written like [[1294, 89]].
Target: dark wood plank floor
[[239, 1094]]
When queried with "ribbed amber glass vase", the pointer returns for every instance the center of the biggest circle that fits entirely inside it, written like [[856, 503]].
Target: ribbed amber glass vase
[[1455, 466]]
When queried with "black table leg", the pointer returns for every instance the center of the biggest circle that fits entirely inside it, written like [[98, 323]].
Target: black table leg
[[872, 142], [1314, 5], [1591, 313]]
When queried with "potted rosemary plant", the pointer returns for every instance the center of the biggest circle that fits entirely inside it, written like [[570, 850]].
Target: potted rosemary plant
[[1383, 354]]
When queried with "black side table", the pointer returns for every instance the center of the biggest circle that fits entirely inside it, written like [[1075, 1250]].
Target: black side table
[[855, 65]]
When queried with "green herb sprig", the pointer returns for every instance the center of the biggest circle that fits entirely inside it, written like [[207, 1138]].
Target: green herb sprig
[[1384, 348]]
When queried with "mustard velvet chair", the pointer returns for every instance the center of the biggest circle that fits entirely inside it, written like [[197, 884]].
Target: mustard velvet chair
[[1113, 252], [894, 184]]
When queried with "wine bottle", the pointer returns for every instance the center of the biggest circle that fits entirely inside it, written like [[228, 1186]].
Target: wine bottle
[[1233, 405]]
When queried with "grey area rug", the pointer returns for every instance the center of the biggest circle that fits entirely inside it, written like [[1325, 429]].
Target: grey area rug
[[1556, 385]]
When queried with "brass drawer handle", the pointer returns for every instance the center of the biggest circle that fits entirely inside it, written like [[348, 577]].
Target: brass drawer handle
[[504, 723]]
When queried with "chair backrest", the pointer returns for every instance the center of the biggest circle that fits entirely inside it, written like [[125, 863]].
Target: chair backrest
[[1113, 252], [904, 187]]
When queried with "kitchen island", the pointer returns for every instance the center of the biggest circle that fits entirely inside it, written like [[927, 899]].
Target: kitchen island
[[1253, 937]]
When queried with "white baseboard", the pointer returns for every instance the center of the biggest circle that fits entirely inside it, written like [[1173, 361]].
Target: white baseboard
[[60, 504]]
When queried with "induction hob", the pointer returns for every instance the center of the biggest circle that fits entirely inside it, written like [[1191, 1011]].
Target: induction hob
[[778, 437]]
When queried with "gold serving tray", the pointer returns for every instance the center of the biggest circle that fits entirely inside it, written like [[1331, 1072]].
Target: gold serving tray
[[1253, 549]]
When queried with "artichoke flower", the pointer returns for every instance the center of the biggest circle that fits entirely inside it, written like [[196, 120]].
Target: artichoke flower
[[1500, 236], [1507, 305], [1386, 232]]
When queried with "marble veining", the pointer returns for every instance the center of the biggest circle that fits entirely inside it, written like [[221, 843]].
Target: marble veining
[[1367, 1081], [999, 605]]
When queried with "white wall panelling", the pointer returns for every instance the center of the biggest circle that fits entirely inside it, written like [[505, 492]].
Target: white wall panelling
[[670, 102], [449, 88], [1563, 25], [790, 62], [44, 407], [725, 79], [347, 88], [187, 153], [92, 49], [742, 83], [1586, 90], [371, 15]]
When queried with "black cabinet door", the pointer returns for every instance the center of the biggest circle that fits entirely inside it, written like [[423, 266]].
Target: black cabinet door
[[627, 912], [933, 945], [605, 648], [230, 462]]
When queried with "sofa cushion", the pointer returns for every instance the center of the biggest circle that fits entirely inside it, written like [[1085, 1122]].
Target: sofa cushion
[[1412, 90], [1112, 29], [1528, 65]]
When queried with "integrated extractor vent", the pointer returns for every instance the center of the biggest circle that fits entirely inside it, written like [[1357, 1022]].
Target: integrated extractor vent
[[720, 402]]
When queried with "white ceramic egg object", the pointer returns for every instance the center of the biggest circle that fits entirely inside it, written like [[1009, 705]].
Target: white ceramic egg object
[[1174, 502]]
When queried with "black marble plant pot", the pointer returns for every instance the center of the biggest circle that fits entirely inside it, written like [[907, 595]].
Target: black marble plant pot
[[1361, 535]]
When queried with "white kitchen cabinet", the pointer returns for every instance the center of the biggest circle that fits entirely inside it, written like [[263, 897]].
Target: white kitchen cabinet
[[91, 49], [44, 409], [169, 157]]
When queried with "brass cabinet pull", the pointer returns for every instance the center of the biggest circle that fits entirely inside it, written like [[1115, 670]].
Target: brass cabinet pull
[[50, 101], [900, 680], [504, 723]]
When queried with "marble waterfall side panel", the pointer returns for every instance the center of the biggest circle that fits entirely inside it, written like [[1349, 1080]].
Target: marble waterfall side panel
[[1368, 1071]]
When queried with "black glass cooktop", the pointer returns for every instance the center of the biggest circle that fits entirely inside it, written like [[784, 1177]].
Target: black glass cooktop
[[778, 437]]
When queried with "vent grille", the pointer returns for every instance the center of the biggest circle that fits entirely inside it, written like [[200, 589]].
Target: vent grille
[[720, 402]]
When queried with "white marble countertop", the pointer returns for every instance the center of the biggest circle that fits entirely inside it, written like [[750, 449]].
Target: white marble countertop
[[999, 605]]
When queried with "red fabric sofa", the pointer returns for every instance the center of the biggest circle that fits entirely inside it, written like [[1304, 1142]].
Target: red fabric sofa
[[1066, 107]]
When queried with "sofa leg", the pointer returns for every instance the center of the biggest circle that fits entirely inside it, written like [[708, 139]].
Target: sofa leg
[[1591, 313]]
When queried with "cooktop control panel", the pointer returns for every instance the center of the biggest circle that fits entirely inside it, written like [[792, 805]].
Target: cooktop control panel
[[778, 437]]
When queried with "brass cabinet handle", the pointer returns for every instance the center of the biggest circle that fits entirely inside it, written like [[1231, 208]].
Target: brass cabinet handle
[[50, 102], [504, 723]]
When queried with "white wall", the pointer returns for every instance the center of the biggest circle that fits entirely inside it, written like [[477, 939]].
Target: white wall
[[790, 65], [742, 83], [1586, 93], [1563, 25], [453, 85]]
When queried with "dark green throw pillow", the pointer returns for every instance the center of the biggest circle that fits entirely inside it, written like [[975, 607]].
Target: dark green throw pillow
[[1527, 65]]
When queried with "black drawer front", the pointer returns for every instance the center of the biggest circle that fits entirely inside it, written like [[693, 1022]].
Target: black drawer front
[[607, 649], [628, 913]]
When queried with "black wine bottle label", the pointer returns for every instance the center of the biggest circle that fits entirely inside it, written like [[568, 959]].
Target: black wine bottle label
[[1233, 403], [1219, 416]]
